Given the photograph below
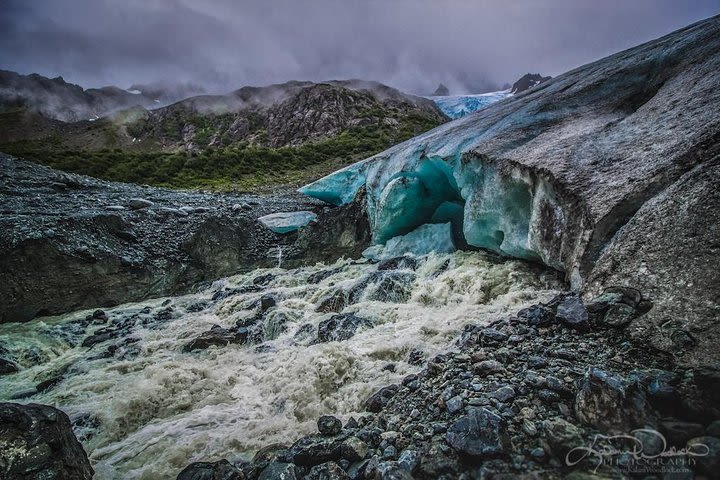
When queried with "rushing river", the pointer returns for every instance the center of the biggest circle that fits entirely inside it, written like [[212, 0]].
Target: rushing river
[[145, 408]]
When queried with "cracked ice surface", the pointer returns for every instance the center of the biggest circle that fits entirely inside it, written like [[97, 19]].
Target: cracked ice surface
[[285, 222], [430, 179]]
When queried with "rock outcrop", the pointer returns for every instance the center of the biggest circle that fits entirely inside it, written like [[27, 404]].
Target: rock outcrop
[[528, 81], [70, 242], [580, 173], [37, 442], [441, 90]]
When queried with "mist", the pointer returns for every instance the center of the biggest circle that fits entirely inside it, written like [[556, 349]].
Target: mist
[[220, 45]]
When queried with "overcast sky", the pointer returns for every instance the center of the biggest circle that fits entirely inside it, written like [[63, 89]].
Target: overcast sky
[[409, 44]]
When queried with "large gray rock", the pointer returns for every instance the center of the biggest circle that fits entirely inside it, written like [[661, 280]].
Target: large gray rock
[[583, 172], [37, 442], [481, 433]]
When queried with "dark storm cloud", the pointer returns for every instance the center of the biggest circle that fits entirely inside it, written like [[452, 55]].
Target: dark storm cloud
[[410, 44]]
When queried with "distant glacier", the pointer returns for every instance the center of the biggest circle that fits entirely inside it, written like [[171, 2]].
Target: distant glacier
[[456, 106]]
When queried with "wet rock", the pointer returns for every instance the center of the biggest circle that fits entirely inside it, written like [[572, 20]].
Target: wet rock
[[38, 442], [220, 470], [263, 280], [409, 460], [562, 436], [216, 336], [455, 404], [318, 277], [279, 470], [329, 425], [489, 366], [480, 433], [310, 451], [379, 399], [139, 203], [7, 367], [341, 327], [333, 301], [678, 433], [611, 404], [398, 263], [503, 394], [707, 455], [327, 471], [99, 316], [572, 312], [390, 286], [537, 316], [267, 302], [353, 449], [416, 357], [618, 315]]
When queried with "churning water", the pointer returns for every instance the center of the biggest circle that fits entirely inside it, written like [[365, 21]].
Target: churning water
[[145, 408]]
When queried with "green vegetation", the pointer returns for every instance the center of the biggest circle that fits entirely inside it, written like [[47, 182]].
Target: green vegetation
[[240, 166]]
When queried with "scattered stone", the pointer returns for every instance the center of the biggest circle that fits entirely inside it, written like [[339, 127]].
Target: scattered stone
[[489, 366], [329, 425], [572, 312], [379, 399], [480, 433], [537, 316], [139, 203], [278, 470], [326, 471], [455, 404], [562, 436], [353, 449]]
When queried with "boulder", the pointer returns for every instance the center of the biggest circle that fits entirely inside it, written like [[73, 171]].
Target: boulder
[[341, 327], [480, 433], [611, 404], [38, 442], [329, 425]]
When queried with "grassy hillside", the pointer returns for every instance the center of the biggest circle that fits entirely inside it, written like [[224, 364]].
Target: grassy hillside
[[238, 166]]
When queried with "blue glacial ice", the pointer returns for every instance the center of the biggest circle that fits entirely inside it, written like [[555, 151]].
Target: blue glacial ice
[[437, 237], [456, 106], [437, 178], [285, 222]]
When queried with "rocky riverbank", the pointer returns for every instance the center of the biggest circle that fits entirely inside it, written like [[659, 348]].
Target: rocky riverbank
[[558, 390], [69, 242]]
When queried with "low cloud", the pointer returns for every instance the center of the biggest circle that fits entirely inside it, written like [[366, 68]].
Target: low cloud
[[409, 44]]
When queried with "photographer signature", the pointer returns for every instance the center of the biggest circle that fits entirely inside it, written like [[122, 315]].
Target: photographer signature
[[602, 447]]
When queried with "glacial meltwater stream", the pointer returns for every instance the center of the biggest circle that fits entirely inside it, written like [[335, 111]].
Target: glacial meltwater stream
[[144, 407]]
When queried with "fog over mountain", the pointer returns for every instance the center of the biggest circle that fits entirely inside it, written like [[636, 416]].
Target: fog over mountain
[[412, 45]]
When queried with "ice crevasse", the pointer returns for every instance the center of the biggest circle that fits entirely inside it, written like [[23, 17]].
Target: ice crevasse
[[437, 178]]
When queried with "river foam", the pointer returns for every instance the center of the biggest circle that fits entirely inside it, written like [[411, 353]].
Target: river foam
[[150, 409]]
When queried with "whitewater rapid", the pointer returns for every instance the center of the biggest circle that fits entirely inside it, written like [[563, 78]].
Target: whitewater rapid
[[151, 408]]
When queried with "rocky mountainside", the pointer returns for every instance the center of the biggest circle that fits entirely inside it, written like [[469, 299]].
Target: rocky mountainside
[[581, 173], [527, 81], [254, 136], [55, 99]]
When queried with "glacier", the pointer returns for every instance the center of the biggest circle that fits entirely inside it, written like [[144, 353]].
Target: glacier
[[286, 222], [456, 106], [425, 239], [436, 178]]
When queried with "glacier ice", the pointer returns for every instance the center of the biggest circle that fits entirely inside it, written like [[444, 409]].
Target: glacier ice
[[285, 222], [427, 238], [456, 106], [437, 177]]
